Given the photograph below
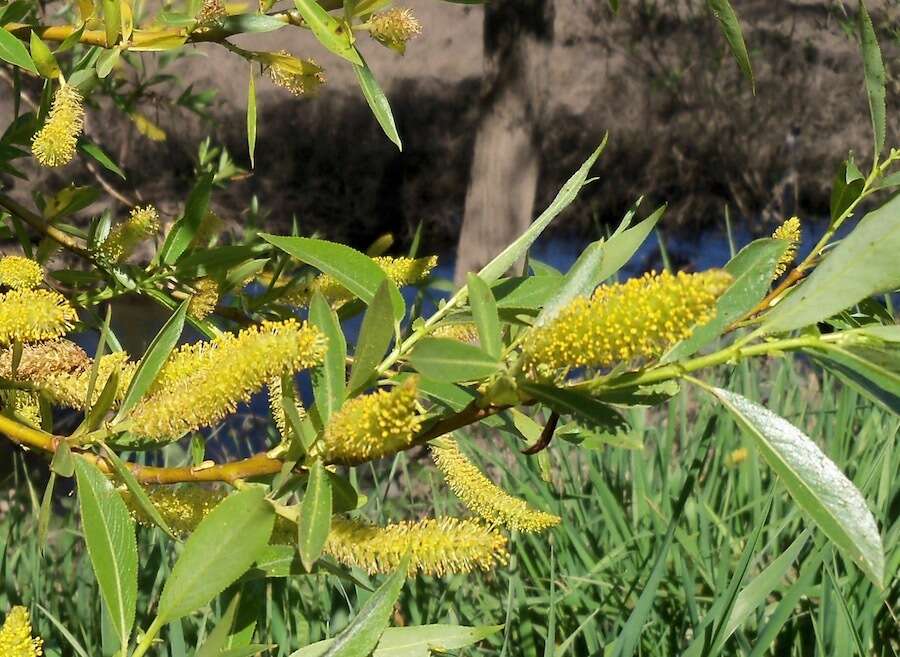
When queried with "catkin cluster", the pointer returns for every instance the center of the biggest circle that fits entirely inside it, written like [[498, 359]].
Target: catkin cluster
[[482, 496], [789, 231], [181, 508], [62, 371], [371, 426], [15, 636], [395, 27], [276, 408], [437, 546], [205, 298], [20, 273], [638, 319], [55, 143], [121, 241], [34, 315], [294, 75], [400, 271], [204, 382]]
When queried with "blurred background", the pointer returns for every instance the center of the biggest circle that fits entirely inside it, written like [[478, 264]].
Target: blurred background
[[497, 105]]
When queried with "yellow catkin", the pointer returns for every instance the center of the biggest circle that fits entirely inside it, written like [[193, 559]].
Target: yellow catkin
[[395, 27], [20, 273], [400, 271], [212, 379], [638, 319], [211, 11], [437, 546], [70, 389], [208, 229], [482, 496], [276, 408], [121, 241], [28, 408], [462, 331], [182, 508], [205, 298], [295, 75], [34, 315], [15, 636], [371, 426], [790, 232], [40, 359], [54, 145]]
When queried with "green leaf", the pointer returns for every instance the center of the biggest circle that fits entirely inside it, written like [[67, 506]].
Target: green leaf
[[579, 281], [378, 102], [758, 590], [235, 627], [111, 543], [499, 265], [623, 245], [374, 338], [864, 263], [105, 401], [252, 23], [331, 33], [484, 310], [13, 51], [587, 410], [731, 28], [328, 379], [112, 19], [251, 118], [106, 62], [43, 58], [873, 372], [814, 481], [182, 233], [419, 641], [875, 77], [315, 516], [221, 549], [153, 361], [105, 161], [448, 361], [352, 269], [752, 269], [362, 634], [138, 494], [846, 188], [525, 293]]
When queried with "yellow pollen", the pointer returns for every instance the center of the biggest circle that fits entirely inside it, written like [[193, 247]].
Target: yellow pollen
[[54, 145], [34, 315], [15, 636], [121, 241], [20, 273], [790, 232]]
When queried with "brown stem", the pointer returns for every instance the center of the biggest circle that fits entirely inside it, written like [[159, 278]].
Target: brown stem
[[543, 442]]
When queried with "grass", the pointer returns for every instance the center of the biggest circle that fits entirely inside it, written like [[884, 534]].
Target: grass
[[658, 548]]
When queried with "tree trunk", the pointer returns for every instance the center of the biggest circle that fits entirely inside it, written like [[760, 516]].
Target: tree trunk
[[503, 179]]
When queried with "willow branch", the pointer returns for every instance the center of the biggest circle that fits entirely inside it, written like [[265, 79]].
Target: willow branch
[[38, 223]]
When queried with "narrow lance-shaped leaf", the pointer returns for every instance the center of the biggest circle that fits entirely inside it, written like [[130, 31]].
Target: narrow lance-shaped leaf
[[731, 28], [12, 51], [362, 634], [315, 516], [484, 310], [499, 265], [814, 481], [111, 543], [416, 641], [329, 378], [875, 77], [447, 360], [152, 362], [378, 103], [331, 33], [222, 548], [374, 338], [251, 118]]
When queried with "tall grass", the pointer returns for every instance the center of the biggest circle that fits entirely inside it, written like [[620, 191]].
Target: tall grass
[[659, 547]]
